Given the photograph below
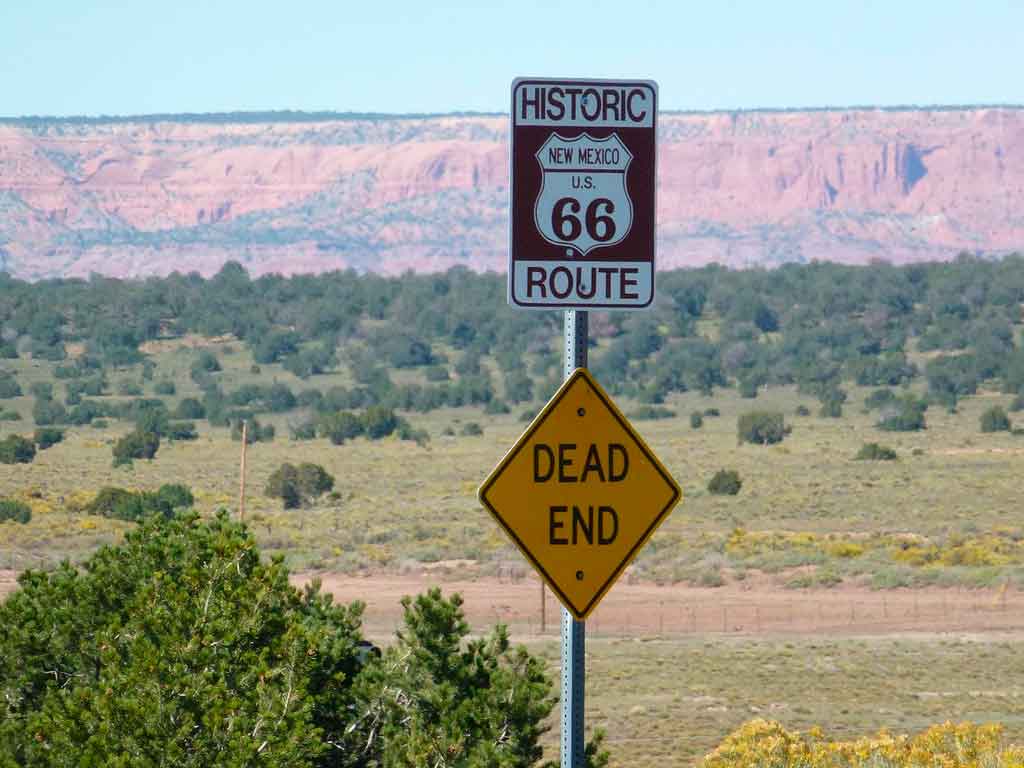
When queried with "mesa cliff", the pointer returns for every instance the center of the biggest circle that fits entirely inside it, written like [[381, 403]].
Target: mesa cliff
[[390, 194]]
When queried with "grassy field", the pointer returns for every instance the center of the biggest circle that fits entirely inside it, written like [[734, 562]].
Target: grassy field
[[669, 703], [941, 513], [808, 515]]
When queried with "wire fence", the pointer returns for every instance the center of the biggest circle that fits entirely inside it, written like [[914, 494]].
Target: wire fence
[[810, 613]]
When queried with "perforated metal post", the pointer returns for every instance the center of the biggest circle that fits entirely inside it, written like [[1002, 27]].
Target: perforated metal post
[[574, 633]]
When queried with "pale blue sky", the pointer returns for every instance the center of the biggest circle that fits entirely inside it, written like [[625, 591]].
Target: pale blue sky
[[71, 57]]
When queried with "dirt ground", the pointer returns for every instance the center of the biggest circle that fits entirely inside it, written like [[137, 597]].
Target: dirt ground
[[644, 609], [649, 610]]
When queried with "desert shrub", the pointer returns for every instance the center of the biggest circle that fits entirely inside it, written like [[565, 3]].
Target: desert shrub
[[879, 398], [190, 408], [712, 412], [15, 449], [875, 452], [471, 429], [7, 414], [761, 427], [652, 413], [379, 422], [1017, 404], [803, 410], [831, 409], [107, 500], [205, 362], [305, 430], [165, 388], [181, 430], [696, 420], [119, 504], [726, 482], [496, 406], [298, 484], [254, 431], [904, 415], [766, 743], [129, 388], [46, 412], [406, 431], [44, 437], [339, 426], [9, 387], [42, 390], [135, 445], [995, 420], [15, 511]]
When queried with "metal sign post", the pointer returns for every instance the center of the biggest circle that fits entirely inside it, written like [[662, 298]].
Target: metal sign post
[[574, 633], [580, 492]]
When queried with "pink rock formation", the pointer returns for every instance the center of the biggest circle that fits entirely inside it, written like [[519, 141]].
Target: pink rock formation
[[132, 198]]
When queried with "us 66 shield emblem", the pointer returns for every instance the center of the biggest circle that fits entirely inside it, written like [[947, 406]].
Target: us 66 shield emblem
[[583, 203]]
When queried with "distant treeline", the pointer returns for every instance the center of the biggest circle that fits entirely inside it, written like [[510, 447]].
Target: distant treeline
[[326, 116], [229, 118], [817, 326]]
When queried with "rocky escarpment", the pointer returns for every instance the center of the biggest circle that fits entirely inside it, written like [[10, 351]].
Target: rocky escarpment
[[389, 194]]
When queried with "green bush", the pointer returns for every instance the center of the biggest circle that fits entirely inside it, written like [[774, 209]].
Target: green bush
[[875, 452], [340, 426], [181, 430], [205, 362], [696, 420], [129, 388], [45, 437], [1017, 404], [190, 408], [995, 420], [905, 415], [471, 429], [107, 500], [9, 415], [652, 413], [135, 445], [803, 410], [495, 407], [879, 398], [119, 504], [46, 412], [9, 387], [761, 427], [379, 422], [165, 388], [726, 482], [714, 412], [15, 449], [254, 431], [297, 484], [15, 511]]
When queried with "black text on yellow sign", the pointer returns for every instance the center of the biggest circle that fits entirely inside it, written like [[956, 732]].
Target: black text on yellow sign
[[580, 493]]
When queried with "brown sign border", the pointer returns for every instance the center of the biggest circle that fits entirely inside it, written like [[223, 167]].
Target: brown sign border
[[653, 85]]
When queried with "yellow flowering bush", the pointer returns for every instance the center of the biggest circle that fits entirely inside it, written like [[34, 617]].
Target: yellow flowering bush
[[1002, 547], [766, 744]]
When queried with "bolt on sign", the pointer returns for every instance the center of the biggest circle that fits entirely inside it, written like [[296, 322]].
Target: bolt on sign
[[580, 493], [582, 188]]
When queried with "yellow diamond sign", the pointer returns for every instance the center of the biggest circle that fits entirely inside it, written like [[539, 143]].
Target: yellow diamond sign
[[580, 493]]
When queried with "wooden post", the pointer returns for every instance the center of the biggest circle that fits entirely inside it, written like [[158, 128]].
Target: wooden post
[[543, 607], [241, 482]]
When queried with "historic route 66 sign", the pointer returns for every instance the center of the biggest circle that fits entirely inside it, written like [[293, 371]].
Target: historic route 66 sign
[[582, 225], [583, 202]]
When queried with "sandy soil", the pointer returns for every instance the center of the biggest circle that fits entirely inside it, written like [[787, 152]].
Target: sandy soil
[[644, 609]]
